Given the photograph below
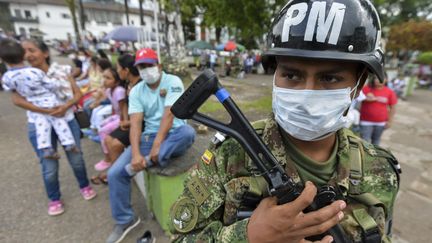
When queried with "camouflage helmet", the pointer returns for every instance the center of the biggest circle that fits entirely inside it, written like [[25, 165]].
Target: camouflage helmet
[[347, 30]]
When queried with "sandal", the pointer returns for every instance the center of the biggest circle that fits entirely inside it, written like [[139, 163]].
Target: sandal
[[99, 179]]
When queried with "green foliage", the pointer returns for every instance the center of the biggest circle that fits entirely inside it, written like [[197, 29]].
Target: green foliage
[[425, 58], [411, 35], [247, 20], [397, 11]]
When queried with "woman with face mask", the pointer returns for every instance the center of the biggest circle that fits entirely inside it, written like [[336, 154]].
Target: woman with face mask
[[322, 52]]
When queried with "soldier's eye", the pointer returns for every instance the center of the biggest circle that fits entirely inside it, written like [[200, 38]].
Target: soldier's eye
[[291, 76], [331, 79]]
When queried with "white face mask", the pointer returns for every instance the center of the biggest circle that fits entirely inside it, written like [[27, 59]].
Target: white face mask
[[150, 75], [311, 115]]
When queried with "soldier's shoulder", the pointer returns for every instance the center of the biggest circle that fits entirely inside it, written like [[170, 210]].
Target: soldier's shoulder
[[381, 171]]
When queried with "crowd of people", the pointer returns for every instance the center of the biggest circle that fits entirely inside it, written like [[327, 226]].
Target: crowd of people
[[128, 108]]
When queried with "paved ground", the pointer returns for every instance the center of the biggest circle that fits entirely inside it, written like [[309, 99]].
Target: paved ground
[[23, 216]]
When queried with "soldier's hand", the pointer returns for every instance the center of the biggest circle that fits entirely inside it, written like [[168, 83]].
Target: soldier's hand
[[287, 223]]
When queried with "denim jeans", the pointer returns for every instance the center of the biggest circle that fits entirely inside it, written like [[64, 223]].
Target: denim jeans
[[50, 167], [371, 133], [175, 144]]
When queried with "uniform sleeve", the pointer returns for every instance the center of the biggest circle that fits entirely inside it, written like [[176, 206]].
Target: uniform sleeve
[[382, 180], [135, 105], [174, 91], [197, 215]]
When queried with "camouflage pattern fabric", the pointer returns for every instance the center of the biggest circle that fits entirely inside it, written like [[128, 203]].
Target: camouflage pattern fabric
[[216, 188]]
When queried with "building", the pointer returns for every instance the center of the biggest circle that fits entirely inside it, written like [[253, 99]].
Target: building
[[52, 19]]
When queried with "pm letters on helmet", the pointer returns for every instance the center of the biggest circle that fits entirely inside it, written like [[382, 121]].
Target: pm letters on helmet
[[316, 21]]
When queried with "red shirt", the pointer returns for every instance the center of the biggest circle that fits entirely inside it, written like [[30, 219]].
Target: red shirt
[[377, 111]]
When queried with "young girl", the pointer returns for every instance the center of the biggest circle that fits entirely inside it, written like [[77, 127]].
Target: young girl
[[116, 93]]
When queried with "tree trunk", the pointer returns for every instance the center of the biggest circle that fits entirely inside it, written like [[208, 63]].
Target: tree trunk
[[71, 5], [218, 34], [141, 12], [126, 11], [82, 15]]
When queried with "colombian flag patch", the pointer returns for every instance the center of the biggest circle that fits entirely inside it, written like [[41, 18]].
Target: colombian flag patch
[[207, 157]]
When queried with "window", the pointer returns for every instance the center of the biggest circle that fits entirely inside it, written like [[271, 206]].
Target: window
[[48, 15], [18, 13], [65, 16], [27, 14]]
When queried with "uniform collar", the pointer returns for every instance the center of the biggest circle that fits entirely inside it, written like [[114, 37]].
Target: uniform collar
[[273, 139]]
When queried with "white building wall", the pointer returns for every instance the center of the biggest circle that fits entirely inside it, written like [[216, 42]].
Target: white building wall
[[22, 8], [56, 26]]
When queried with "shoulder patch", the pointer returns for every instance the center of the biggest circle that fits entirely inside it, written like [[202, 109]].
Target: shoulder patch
[[184, 215], [207, 157], [198, 190]]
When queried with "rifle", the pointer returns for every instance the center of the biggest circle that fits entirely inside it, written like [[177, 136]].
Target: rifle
[[280, 184]]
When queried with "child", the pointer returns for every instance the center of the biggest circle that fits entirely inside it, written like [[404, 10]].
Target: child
[[34, 85], [116, 93]]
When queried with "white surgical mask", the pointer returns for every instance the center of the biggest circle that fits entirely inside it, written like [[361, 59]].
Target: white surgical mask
[[311, 115], [150, 75]]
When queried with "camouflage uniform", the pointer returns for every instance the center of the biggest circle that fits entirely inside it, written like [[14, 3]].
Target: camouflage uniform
[[206, 211]]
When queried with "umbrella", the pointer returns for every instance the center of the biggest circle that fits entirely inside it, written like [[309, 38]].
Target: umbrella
[[230, 46], [123, 33], [199, 45]]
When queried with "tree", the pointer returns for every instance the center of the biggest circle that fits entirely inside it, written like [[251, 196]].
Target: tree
[[247, 20], [72, 9], [82, 15], [412, 35], [126, 11], [141, 12], [397, 11]]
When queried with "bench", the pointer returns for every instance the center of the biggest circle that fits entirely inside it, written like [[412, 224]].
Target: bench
[[162, 186]]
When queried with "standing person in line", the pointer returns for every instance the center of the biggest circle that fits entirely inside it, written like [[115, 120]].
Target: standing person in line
[[37, 55], [320, 69], [212, 59], [249, 62], [164, 137], [377, 110]]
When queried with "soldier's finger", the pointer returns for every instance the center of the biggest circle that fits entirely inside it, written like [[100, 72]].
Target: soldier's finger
[[327, 239], [322, 215], [318, 229], [303, 201]]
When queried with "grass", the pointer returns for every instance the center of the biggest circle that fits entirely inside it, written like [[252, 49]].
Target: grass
[[263, 104]]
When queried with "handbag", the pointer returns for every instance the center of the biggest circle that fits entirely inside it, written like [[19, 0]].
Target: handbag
[[82, 117]]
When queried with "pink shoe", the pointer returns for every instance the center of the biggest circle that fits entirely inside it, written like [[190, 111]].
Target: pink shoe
[[102, 165], [88, 193], [55, 208]]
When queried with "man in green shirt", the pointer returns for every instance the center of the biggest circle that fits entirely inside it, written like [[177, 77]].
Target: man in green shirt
[[323, 52]]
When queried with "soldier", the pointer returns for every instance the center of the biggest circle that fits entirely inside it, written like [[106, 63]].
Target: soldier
[[323, 52]]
